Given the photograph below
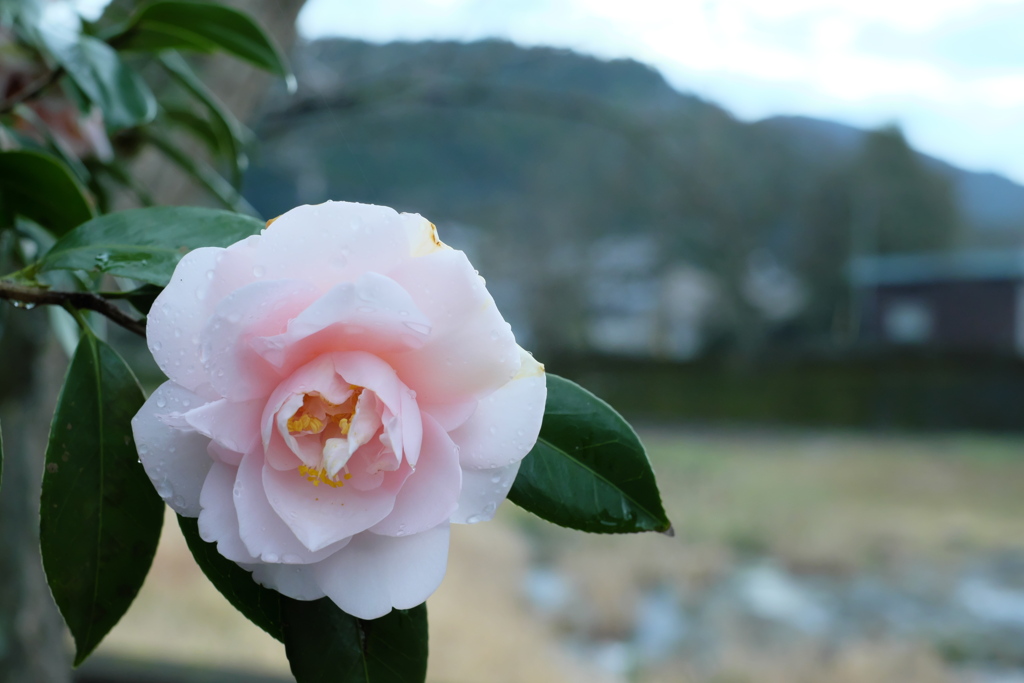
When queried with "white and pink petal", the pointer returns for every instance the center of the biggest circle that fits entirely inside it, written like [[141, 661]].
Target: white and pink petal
[[176, 461], [321, 515], [471, 350], [297, 581], [506, 423], [431, 493], [375, 574], [483, 491], [218, 521], [331, 242], [261, 528], [372, 314]]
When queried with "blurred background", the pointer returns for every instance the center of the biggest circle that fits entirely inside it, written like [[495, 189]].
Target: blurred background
[[785, 239]]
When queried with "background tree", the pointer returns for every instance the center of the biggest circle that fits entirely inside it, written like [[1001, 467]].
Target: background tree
[[884, 200]]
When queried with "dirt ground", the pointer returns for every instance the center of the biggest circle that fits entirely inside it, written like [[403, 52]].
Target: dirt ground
[[826, 502]]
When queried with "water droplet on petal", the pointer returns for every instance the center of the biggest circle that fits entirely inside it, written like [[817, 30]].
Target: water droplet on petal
[[419, 328], [157, 346], [161, 402], [258, 271]]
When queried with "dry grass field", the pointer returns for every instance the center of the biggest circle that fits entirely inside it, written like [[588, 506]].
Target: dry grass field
[[827, 503]]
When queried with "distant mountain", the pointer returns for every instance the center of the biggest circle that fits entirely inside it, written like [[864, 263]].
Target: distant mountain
[[330, 65], [534, 157]]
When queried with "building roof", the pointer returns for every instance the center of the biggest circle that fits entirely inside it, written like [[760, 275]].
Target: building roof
[[906, 269]]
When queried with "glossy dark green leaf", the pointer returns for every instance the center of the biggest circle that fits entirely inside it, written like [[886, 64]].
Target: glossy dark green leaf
[[41, 188], [202, 27], [100, 517], [326, 645], [230, 133], [146, 244], [588, 470], [1, 459], [259, 605], [99, 73]]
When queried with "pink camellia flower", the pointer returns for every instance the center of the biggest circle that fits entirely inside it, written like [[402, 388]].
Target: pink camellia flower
[[342, 387]]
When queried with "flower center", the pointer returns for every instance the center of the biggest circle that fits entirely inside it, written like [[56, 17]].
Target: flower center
[[320, 475], [332, 422]]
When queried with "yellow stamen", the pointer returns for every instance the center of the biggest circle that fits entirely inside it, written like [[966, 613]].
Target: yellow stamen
[[316, 476], [304, 423], [344, 424]]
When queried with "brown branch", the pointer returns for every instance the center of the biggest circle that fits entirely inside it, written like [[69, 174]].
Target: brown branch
[[31, 90], [32, 296]]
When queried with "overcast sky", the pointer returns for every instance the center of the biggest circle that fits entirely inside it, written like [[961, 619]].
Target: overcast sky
[[951, 72]]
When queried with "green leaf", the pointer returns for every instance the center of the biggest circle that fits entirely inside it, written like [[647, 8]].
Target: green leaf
[[259, 605], [588, 470], [217, 186], [326, 645], [100, 517], [1, 459], [98, 72], [55, 145], [230, 132], [146, 244], [187, 120], [39, 187], [142, 298], [201, 27]]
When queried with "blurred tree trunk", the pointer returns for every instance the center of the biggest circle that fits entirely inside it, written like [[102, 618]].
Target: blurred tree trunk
[[33, 647]]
